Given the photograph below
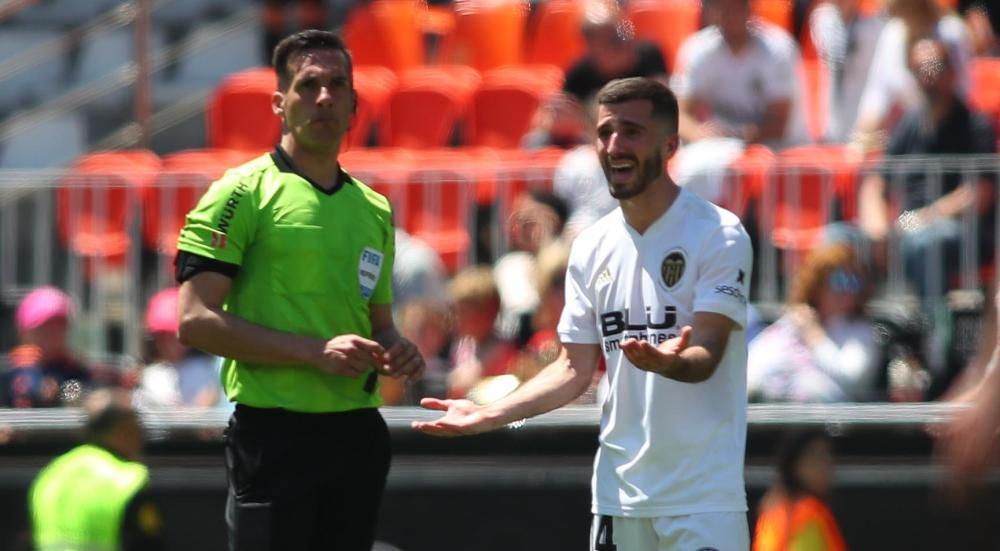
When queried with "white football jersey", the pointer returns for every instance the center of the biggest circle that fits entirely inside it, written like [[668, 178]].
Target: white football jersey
[[666, 448]]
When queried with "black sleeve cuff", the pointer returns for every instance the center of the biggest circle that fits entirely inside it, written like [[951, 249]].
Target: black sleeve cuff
[[187, 265]]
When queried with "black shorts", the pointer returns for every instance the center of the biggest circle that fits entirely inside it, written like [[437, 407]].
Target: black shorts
[[305, 481]]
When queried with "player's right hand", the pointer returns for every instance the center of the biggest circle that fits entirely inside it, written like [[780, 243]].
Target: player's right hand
[[462, 417], [350, 355]]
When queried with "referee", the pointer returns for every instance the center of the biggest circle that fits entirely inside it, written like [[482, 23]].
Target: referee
[[285, 268]]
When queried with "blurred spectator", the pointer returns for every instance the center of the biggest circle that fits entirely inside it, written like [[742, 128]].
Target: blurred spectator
[[418, 272], [42, 371], [845, 40], [891, 87], [279, 18], [537, 218], [828, 348], [793, 515], [580, 182], [559, 122], [549, 279], [612, 52], [942, 125], [737, 78], [94, 496], [478, 352], [178, 375], [425, 323], [983, 19]]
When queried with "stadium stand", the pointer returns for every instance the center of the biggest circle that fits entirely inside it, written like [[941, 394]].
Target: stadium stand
[[388, 33], [427, 105], [239, 112], [506, 101], [666, 23], [554, 34]]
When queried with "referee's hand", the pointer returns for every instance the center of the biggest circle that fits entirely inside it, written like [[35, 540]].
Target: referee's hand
[[350, 355], [402, 360]]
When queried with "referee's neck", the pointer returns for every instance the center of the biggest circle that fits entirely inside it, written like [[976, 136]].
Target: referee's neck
[[321, 167]]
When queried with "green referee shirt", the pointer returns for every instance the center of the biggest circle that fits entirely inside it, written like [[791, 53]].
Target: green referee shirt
[[310, 262]]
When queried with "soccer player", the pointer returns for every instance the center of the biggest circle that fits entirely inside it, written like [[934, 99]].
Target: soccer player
[[286, 268], [659, 287]]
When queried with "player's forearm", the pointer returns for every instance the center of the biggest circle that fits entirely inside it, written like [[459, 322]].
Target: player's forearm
[[223, 334], [555, 386], [694, 365]]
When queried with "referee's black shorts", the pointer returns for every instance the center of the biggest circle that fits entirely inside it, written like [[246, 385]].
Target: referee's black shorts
[[305, 481]]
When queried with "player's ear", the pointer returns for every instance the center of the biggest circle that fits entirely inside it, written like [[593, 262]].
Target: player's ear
[[670, 145], [278, 104]]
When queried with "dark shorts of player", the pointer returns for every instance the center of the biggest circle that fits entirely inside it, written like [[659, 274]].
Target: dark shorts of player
[[305, 481]]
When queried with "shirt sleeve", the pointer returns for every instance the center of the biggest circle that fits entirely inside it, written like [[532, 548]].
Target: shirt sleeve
[[578, 323], [223, 223], [383, 289], [724, 272], [142, 525]]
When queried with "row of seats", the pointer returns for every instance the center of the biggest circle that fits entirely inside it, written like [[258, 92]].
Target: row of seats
[[492, 34], [61, 14], [433, 192], [792, 194], [416, 108]]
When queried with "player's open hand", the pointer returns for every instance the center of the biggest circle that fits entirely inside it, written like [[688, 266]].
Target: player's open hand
[[350, 355], [403, 360], [462, 417], [970, 443], [657, 359]]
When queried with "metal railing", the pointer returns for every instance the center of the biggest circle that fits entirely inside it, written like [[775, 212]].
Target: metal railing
[[109, 240]]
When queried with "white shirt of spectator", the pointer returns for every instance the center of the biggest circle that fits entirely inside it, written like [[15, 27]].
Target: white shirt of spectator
[[738, 88], [846, 49], [889, 79], [666, 448], [580, 181]]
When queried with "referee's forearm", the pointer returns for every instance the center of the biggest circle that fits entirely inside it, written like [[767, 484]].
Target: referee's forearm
[[223, 334]]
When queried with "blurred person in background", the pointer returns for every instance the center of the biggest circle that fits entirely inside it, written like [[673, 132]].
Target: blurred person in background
[[178, 375], [285, 270], [95, 497], [537, 218], [549, 280], [793, 513], [613, 52], [427, 325], [737, 84], [418, 272], [478, 351], [944, 125], [892, 88], [42, 371], [983, 20], [845, 40], [824, 348]]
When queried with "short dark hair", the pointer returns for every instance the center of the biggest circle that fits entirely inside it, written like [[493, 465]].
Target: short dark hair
[[791, 448], [641, 88], [295, 45]]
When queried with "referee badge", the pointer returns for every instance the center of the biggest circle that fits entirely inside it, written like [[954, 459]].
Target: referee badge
[[369, 268], [672, 268]]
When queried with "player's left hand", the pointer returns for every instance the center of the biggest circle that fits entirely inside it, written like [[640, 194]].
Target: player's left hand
[[657, 359], [970, 443], [402, 360]]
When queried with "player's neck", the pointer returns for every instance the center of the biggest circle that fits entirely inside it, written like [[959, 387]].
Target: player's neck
[[321, 168], [643, 210]]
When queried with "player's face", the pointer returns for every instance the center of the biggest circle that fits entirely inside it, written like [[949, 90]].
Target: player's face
[[318, 106], [630, 147]]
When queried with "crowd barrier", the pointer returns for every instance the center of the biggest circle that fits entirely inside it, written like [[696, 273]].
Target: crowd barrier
[[527, 489], [108, 238]]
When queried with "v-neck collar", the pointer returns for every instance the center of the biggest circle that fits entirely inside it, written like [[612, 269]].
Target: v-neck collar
[[283, 161], [664, 219]]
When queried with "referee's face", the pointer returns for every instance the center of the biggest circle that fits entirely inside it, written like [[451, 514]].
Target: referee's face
[[318, 106], [630, 146]]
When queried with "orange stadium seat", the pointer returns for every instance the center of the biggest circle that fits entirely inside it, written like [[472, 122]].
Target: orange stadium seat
[[746, 177], [177, 189], [505, 103], [985, 90], [667, 23], [239, 112], [809, 183], [435, 201], [554, 35], [487, 34], [387, 32], [778, 12], [815, 88], [374, 85], [96, 202], [427, 105]]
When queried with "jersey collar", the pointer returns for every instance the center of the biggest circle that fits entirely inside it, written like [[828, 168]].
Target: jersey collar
[[284, 163]]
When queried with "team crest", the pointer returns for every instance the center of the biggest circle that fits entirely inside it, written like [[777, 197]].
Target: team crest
[[672, 268]]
